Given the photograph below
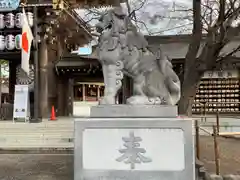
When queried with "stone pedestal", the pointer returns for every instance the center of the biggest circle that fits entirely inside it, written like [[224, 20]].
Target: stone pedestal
[[145, 143], [103, 111]]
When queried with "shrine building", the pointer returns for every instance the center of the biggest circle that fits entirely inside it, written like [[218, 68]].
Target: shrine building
[[57, 30]]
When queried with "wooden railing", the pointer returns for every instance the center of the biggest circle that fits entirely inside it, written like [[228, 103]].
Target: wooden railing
[[215, 134]]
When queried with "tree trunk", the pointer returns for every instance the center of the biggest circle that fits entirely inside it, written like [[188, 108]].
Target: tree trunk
[[191, 76], [185, 103], [189, 87]]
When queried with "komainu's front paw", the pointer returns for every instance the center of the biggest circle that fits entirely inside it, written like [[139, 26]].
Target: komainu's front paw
[[107, 100], [144, 100]]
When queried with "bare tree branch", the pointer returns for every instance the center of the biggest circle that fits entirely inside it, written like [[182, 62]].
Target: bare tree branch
[[140, 7], [230, 54], [144, 24]]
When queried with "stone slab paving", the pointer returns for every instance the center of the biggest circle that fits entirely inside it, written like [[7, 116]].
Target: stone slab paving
[[36, 167]]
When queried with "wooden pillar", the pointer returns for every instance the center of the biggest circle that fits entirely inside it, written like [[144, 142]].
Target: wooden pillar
[[61, 98], [70, 96], [12, 79], [83, 93], [36, 107], [61, 103], [98, 92], [52, 79], [43, 65]]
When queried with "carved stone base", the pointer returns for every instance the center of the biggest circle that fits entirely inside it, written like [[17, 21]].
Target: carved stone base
[[134, 111], [133, 148], [107, 100], [140, 142], [144, 100]]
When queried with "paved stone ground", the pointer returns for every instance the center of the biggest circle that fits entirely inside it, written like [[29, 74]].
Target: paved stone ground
[[60, 167], [36, 167]]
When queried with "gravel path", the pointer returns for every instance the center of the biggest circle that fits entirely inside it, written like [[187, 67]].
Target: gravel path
[[60, 167], [229, 150]]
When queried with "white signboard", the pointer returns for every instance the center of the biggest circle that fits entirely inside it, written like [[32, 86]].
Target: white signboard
[[221, 74], [21, 109], [138, 149]]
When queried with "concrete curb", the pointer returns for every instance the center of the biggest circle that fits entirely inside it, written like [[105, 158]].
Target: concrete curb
[[225, 177]]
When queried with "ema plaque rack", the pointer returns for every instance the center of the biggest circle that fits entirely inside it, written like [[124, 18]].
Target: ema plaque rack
[[218, 92]]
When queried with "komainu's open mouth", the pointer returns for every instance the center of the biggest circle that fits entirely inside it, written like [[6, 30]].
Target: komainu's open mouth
[[99, 29]]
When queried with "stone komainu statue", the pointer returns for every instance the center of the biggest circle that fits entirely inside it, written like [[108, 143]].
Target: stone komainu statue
[[122, 50]]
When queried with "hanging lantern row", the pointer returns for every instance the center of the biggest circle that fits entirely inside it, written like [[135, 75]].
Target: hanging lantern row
[[10, 20], [10, 42]]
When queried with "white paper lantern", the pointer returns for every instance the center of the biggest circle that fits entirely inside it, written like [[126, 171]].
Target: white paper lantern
[[30, 18], [10, 42], [2, 42], [19, 20], [18, 41], [2, 22], [9, 20]]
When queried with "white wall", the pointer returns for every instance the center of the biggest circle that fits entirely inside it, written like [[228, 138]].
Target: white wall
[[82, 108]]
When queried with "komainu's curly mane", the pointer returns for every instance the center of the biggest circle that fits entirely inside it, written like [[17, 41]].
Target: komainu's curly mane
[[124, 51]]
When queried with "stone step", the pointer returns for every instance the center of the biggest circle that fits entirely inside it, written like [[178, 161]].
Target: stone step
[[27, 131], [47, 134], [38, 124], [21, 136], [36, 142], [24, 139], [31, 126], [37, 134], [39, 145], [37, 130], [36, 127], [35, 139]]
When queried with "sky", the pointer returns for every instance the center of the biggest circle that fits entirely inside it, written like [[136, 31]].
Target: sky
[[155, 15]]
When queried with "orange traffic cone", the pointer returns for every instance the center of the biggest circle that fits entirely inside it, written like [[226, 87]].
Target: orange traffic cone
[[53, 116]]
